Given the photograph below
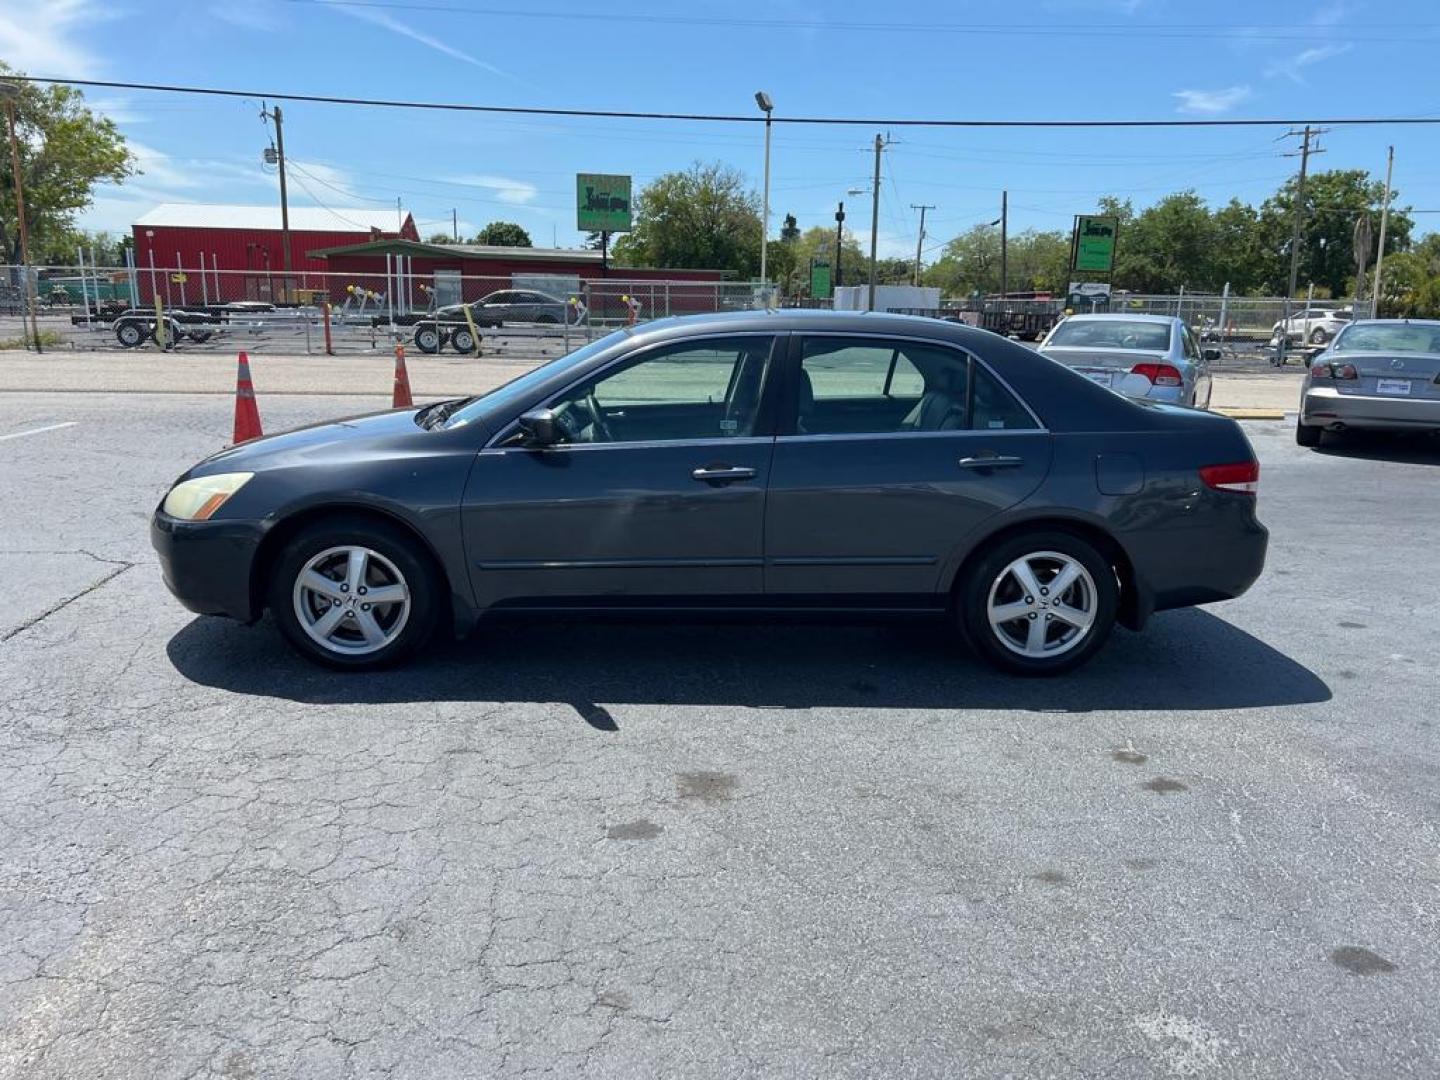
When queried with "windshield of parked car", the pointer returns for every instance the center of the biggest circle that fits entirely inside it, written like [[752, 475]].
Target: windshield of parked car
[[473, 408], [1112, 334], [1389, 337]]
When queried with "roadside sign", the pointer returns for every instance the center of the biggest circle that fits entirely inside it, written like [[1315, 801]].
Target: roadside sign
[[1092, 246], [179, 279], [1087, 295], [602, 203], [820, 279]]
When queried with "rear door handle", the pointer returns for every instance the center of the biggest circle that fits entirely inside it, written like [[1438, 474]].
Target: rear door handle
[[722, 474], [991, 461]]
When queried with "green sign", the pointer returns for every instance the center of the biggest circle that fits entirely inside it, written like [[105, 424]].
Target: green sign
[[1093, 245], [820, 279], [602, 203]]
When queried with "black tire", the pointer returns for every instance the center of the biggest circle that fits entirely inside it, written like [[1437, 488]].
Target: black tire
[[462, 340], [988, 572], [200, 336], [423, 581], [1307, 434], [130, 334], [428, 338], [1318, 336]]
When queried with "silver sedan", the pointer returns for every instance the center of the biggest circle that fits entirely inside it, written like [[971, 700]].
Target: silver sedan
[[1381, 374], [1140, 356]]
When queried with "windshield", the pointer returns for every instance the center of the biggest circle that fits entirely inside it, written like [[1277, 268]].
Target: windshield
[[474, 407], [1112, 334], [1389, 337]]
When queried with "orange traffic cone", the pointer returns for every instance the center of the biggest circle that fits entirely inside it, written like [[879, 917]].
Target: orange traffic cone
[[401, 398], [247, 415]]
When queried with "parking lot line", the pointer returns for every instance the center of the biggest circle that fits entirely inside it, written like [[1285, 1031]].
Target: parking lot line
[[38, 430]]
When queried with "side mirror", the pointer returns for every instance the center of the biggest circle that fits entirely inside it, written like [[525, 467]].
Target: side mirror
[[540, 427], [1212, 354]]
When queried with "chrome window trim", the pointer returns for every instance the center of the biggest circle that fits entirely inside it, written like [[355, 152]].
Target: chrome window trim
[[938, 343], [514, 425], [649, 444]]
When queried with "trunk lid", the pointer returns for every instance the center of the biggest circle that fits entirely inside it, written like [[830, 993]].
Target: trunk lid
[[1104, 366], [1390, 374]]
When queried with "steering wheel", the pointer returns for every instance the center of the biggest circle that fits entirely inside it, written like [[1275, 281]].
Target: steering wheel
[[597, 418]]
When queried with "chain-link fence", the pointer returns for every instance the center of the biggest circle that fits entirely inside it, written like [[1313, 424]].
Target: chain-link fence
[[196, 308]]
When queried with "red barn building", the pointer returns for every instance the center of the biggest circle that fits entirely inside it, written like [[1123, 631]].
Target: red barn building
[[236, 253]]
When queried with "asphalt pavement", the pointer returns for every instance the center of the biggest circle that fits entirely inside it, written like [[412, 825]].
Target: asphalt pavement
[[711, 851]]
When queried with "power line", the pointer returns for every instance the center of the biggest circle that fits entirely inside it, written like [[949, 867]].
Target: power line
[[739, 118]]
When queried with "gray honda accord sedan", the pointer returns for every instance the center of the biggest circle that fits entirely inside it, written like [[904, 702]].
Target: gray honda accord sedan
[[770, 464]]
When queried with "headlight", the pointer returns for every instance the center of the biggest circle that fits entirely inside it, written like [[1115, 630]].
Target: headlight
[[198, 499]]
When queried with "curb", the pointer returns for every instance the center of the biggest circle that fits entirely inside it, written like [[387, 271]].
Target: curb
[[1250, 414]]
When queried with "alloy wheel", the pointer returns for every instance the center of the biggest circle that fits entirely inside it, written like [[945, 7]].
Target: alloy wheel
[[1042, 605], [351, 600]]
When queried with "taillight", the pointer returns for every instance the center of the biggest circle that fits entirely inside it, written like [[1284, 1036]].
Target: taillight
[[1321, 371], [1333, 371], [1159, 374], [1346, 371], [1243, 477]]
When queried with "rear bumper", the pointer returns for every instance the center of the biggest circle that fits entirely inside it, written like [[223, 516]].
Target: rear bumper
[[1216, 564], [206, 564], [1323, 406]]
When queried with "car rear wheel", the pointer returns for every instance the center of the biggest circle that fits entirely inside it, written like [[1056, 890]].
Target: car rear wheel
[[354, 594], [427, 339], [463, 341], [1039, 603], [1307, 434]]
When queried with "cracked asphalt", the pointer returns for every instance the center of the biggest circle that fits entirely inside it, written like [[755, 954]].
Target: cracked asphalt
[[711, 852]]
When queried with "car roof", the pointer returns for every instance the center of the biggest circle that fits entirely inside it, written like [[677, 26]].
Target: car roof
[[1137, 317], [790, 320], [1396, 322]]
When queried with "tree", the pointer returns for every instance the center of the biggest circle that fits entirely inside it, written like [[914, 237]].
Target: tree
[[818, 242], [1411, 281], [65, 151], [968, 263], [703, 218], [1333, 202], [503, 234], [439, 238]]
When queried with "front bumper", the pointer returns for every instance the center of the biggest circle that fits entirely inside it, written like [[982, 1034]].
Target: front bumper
[[1324, 406], [207, 564]]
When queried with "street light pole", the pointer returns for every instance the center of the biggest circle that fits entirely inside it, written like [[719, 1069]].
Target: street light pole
[[766, 106], [11, 91], [874, 219], [839, 242]]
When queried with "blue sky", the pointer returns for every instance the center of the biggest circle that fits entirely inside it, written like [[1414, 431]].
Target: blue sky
[[1021, 59]]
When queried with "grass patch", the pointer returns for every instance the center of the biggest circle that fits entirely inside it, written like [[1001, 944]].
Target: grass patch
[[49, 339]]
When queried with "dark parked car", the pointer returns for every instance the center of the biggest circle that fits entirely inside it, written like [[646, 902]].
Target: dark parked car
[[507, 305], [771, 462]]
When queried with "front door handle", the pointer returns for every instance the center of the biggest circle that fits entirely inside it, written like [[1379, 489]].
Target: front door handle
[[991, 461], [722, 474]]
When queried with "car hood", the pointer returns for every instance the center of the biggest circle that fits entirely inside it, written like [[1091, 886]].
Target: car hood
[[367, 434]]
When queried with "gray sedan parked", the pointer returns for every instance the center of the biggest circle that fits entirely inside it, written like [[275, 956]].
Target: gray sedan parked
[[1380, 374], [826, 464], [1142, 356]]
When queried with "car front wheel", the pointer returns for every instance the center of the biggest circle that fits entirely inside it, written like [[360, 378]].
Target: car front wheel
[[427, 339], [354, 594], [1039, 603], [1318, 336]]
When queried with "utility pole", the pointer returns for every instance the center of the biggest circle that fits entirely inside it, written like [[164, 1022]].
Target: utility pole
[[839, 240], [455, 224], [1305, 151], [278, 117], [11, 92], [875, 218], [1004, 243], [1384, 221], [767, 106], [920, 242]]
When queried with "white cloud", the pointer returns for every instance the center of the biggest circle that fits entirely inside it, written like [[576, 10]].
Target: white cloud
[[1210, 102], [516, 192], [1294, 67], [39, 36], [247, 16], [395, 26]]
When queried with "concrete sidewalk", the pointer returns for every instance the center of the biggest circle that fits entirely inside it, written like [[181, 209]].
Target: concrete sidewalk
[[1249, 396]]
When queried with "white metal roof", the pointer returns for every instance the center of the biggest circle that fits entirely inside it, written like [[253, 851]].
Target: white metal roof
[[302, 218]]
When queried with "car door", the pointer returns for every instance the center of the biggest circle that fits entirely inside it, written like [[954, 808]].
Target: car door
[[657, 491], [891, 452], [1200, 368]]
